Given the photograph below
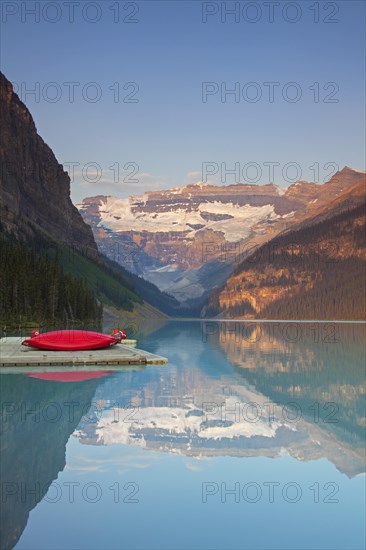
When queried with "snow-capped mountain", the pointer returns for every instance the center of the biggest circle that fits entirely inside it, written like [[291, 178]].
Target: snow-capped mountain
[[188, 240]]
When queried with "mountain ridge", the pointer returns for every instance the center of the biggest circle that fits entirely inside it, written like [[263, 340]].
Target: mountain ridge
[[303, 273], [40, 224], [172, 237], [30, 175]]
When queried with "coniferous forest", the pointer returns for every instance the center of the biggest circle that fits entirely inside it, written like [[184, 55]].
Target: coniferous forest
[[35, 288], [51, 283], [324, 279]]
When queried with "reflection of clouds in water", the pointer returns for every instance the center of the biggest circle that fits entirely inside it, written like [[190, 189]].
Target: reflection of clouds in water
[[194, 466], [124, 461], [85, 469]]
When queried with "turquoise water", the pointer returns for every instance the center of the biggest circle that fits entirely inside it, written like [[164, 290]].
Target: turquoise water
[[253, 436]]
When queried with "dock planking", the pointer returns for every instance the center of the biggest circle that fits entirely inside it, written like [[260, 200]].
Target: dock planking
[[13, 354]]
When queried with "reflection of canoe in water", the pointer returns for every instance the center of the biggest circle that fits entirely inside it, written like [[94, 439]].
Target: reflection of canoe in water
[[73, 340], [68, 376]]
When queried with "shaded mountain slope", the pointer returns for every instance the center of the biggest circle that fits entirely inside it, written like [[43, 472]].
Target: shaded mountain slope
[[314, 272], [40, 222], [34, 186]]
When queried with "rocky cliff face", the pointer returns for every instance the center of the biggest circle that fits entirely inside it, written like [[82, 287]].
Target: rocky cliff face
[[314, 271], [187, 240], [34, 186]]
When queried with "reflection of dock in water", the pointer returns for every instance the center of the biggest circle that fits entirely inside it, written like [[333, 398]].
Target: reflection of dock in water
[[13, 354]]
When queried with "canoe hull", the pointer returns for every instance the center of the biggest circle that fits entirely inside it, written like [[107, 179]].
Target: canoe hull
[[71, 340]]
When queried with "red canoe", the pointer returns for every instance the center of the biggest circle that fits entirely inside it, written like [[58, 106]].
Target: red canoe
[[72, 340]]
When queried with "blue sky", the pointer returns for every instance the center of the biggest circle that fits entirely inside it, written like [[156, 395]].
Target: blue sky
[[164, 138]]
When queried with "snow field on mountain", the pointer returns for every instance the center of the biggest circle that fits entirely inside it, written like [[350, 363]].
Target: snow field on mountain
[[118, 216]]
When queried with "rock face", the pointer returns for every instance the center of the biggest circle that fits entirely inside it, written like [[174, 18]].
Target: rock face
[[188, 240], [34, 186], [314, 271]]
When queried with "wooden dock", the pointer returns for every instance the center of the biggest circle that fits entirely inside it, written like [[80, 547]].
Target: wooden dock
[[13, 354]]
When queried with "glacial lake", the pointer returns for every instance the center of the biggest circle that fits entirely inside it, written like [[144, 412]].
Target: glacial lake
[[252, 437]]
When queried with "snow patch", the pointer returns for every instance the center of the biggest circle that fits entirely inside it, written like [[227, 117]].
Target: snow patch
[[164, 269], [280, 190], [178, 219], [289, 215]]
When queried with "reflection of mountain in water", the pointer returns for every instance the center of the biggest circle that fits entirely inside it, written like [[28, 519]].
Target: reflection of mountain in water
[[323, 371], [36, 423], [199, 406]]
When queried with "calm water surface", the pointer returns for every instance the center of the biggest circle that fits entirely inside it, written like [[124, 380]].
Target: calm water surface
[[253, 436]]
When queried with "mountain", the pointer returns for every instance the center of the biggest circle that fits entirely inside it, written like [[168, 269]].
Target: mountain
[[52, 271], [34, 186], [186, 242], [189, 240], [314, 271]]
